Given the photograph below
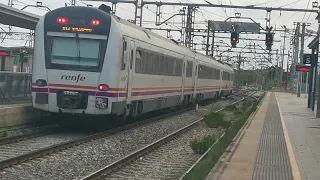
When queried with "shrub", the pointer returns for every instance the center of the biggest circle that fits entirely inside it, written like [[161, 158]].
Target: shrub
[[213, 120], [3, 134], [202, 145]]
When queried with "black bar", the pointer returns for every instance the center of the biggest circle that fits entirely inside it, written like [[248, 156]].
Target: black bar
[[315, 80], [310, 83], [3, 63]]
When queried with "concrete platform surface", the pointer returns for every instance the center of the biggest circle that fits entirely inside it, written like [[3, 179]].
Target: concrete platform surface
[[16, 114], [281, 142], [304, 132]]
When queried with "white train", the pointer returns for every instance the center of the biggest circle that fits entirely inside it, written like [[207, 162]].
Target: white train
[[87, 61]]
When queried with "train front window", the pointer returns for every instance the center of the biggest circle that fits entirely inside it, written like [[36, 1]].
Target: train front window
[[78, 52]]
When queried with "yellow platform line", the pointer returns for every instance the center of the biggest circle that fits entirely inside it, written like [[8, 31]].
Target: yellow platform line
[[294, 166]]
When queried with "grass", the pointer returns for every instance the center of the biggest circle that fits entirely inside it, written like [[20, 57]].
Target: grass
[[3, 134], [201, 170], [202, 145], [216, 120]]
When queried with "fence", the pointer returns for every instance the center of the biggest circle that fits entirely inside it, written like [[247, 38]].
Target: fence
[[15, 87]]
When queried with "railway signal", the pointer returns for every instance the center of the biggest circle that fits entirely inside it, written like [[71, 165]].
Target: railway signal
[[269, 40], [5, 53], [234, 39], [302, 68]]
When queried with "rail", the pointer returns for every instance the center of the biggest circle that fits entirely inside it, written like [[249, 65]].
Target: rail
[[206, 153], [58, 147], [121, 162]]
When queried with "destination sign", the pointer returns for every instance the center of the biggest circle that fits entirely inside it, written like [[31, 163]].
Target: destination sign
[[76, 29]]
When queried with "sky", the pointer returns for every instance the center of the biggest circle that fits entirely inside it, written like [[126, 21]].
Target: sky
[[278, 19]]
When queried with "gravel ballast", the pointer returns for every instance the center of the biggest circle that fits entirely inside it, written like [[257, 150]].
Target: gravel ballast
[[169, 161], [79, 161]]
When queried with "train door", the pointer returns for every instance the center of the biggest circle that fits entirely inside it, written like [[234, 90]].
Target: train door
[[131, 54]]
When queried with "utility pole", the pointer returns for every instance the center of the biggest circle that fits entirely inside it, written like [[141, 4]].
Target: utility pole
[[190, 26], [316, 69], [283, 54], [295, 56], [301, 58], [278, 71], [138, 12], [10, 3]]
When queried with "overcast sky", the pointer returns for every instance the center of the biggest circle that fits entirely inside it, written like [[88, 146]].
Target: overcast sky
[[126, 11]]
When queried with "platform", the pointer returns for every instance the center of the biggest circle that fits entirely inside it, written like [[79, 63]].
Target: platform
[[282, 142], [16, 114]]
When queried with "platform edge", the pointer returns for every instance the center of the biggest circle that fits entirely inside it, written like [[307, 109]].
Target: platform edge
[[294, 166]]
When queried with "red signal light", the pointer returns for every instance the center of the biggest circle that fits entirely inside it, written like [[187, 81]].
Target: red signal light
[[233, 39], [95, 22], [103, 87], [303, 69], [62, 20], [4, 53]]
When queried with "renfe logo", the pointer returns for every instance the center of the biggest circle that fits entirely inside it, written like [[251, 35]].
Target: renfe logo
[[73, 78]]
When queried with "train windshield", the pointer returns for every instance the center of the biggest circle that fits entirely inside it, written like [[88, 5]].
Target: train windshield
[[77, 52]]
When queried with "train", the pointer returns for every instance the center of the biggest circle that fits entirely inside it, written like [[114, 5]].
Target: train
[[90, 62]]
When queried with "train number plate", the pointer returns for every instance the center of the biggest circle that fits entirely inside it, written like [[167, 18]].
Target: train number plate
[[71, 93]]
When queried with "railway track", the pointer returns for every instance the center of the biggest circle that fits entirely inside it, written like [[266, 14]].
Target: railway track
[[20, 148], [24, 130], [84, 143], [143, 162]]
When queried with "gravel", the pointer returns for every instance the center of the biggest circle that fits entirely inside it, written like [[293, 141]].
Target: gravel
[[23, 129], [169, 161], [21, 147], [76, 162]]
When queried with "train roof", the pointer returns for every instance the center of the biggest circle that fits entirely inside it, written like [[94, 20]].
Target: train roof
[[148, 36]]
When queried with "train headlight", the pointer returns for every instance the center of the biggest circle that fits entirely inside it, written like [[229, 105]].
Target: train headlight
[[41, 83], [103, 87]]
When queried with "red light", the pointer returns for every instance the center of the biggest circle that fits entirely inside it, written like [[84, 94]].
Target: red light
[[269, 38], [4, 53], [62, 20], [103, 87], [233, 39], [304, 69], [95, 22]]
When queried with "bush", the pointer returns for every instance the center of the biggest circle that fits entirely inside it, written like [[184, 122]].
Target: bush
[[216, 120], [231, 107], [201, 170], [3, 134], [201, 146]]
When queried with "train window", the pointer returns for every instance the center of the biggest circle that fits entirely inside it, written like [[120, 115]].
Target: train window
[[205, 72], [170, 66], [138, 61], [123, 65], [216, 74], [166, 65], [189, 69], [150, 63], [144, 62], [161, 64], [156, 64], [226, 76], [178, 68]]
